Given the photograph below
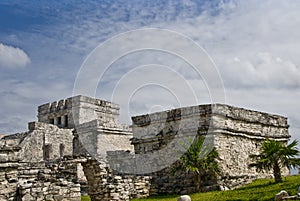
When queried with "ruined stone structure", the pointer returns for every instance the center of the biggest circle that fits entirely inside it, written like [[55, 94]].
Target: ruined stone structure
[[236, 133], [51, 161]]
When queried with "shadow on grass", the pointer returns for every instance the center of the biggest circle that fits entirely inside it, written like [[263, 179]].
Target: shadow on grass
[[270, 183]]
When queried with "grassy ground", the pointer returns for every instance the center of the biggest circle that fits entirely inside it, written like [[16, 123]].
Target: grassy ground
[[262, 189], [85, 198]]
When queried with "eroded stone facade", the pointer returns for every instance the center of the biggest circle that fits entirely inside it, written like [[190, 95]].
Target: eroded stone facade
[[236, 134], [78, 142]]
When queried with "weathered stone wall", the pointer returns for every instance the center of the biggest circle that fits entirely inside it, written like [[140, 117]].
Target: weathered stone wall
[[107, 185], [38, 164], [155, 131], [46, 142], [165, 181], [9, 163], [98, 139], [25, 181], [78, 110], [42, 142], [239, 134], [249, 123], [39, 182], [236, 133]]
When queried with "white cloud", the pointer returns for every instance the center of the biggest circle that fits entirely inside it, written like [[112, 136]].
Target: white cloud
[[255, 44], [20, 99], [12, 57], [262, 71]]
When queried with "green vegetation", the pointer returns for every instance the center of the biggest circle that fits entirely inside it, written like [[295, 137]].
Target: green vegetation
[[199, 159], [275, 155], [261, 190], [85, 198]]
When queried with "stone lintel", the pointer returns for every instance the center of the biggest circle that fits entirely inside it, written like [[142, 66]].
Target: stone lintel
[[256, 136], [97, 125]]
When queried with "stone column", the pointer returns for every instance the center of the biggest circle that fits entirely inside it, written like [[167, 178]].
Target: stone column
[[63, 121], [55, 120]]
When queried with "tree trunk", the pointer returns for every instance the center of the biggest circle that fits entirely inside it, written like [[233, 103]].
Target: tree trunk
[[197, 182], [277, 173]]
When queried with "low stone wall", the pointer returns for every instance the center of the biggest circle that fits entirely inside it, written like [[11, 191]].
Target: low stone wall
[[23, 181], [106, 185], [9, 163], [39, 182], [165, 181]]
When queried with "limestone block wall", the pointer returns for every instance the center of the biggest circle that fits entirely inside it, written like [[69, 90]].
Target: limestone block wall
[[25, 181], [46, 142], [51, 112], [78, 110], [9, 163], [165, 181], [97, 139], [249, 123], [155, 131], [236, 133], [107, 185], [39, 182], [240, 133]]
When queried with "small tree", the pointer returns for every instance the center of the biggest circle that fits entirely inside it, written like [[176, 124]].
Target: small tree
[[200, 160], [275, 155]]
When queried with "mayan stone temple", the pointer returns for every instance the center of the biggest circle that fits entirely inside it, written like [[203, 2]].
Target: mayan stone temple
[[61, 157]]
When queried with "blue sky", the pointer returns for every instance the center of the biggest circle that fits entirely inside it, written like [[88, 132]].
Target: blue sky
[[254, 44]]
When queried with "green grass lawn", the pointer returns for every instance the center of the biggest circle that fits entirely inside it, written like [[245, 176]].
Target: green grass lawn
[[85, 198], [262, 189]]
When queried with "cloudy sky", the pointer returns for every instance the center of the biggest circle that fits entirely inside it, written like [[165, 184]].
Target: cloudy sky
[[254, 45]]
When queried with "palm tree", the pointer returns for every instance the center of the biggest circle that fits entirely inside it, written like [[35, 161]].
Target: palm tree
[[200, 160], [275, 155]]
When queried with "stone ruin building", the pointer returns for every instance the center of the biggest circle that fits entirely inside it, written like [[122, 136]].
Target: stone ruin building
[[49, 161]]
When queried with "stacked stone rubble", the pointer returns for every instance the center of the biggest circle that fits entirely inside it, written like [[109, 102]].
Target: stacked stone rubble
[[107, 185], [24, 175], [9, 163], [37, 182]]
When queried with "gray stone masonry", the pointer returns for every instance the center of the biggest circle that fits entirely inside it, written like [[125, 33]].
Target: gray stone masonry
[[9, 164], [236, 133], [53, 183], [59, 152], [98, 139], [26, 181], [107, 185], [78, 110]]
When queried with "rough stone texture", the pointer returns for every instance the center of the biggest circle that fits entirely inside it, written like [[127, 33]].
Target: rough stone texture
[[79, 110], [184, 198], [240, 133], [53, 158], [42, 142], [25, 181], [279, 196], [107, 185], [236, 133], [99, 138], [47, 169], [9, 163], [38, 182]]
